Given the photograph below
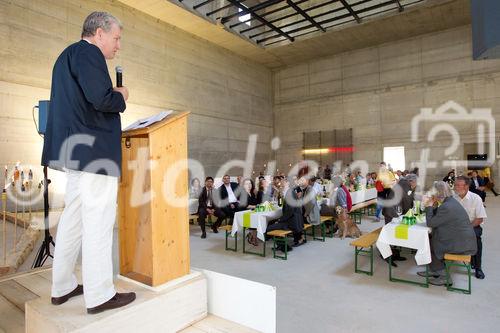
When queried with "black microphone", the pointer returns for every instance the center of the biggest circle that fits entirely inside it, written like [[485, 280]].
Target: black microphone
[[119, 71]]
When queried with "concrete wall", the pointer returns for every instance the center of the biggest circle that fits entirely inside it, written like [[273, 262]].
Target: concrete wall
[[164, 68], [377, 91]]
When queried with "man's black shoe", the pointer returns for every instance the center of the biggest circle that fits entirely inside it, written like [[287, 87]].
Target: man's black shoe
[[214, 229], [479, 273], [117, 301], [204, 235], [63, 299], [298, 244]]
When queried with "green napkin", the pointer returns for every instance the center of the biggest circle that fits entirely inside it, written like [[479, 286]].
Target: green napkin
[[246, 219], [402, 231]]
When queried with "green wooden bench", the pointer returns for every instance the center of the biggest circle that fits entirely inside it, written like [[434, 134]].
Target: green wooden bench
[[228, 229], [364, 246], [280, 238], [457, 260]]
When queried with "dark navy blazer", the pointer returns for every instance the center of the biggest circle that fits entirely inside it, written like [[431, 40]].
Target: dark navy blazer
[[82, 101]]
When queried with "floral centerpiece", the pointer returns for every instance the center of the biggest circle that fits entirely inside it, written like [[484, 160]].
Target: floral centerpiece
[[265, 207]]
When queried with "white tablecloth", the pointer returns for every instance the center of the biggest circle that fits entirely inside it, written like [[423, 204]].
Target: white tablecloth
[[357, 197], [362, 196], [418, 238], [193, 206], [258, 220]]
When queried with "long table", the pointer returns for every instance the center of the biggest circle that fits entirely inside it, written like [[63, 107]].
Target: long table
[[414, 237], [357, 196], [258, 220]]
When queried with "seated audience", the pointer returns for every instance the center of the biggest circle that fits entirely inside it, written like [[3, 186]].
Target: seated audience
[[228, 196], [310, 205], [327, 173], [207, 206], [249, 200], [262, 189], [275, 189], [452, 231], [407, 186], [450, 178], [319, 174], [477, 185], [248, 197], [370, 179], [195, 189], [347, 197], [475, 210], [316, 185], [292, 218]]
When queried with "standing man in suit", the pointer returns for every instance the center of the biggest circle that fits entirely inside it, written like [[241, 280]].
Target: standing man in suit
[[83, 139], [206, 207], [229, 196], [477, 185]]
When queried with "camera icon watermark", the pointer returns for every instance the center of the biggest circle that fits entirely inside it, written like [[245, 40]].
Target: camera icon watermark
[[445, 119]]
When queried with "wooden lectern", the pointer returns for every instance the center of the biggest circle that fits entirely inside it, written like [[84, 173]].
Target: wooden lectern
[[154, 235]]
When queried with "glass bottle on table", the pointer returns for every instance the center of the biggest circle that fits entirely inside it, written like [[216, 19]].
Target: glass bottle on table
[[280, 200]]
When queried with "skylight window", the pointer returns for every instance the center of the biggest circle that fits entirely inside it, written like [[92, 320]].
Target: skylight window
[[244, 18]]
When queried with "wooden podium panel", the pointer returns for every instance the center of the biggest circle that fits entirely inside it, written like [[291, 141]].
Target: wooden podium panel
[[154, 234]]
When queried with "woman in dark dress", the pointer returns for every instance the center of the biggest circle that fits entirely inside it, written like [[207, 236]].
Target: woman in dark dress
[[248, 197], [249, 200]]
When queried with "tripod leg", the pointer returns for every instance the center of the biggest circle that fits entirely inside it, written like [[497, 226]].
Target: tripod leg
[[44, 251]]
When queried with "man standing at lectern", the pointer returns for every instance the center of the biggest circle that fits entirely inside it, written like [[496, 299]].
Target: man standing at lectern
[[83, 139]]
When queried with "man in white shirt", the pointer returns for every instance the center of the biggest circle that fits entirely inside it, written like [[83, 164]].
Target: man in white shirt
[[229, 193], [473, 204]]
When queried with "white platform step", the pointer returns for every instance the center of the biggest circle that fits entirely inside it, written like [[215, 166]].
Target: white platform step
[[171, 308], [214, 324]]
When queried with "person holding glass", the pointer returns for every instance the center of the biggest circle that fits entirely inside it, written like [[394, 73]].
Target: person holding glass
[[452, 231]]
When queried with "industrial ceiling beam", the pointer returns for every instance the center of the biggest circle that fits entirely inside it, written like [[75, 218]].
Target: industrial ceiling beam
[[324, 22], [246, 11], [350, 10], [305, 15], [222, 8], [315, 17], [262, 20], [268, 13], [294, 14], [400, 7], [202, 4]]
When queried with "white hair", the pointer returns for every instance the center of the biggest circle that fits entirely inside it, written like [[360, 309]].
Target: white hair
[[97, 20], [442, 190]]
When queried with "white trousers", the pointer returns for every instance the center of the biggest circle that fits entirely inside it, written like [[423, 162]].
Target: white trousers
[[86, 223]]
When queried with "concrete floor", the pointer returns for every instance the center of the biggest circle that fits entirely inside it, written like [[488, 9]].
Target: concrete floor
[[318, 291]]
